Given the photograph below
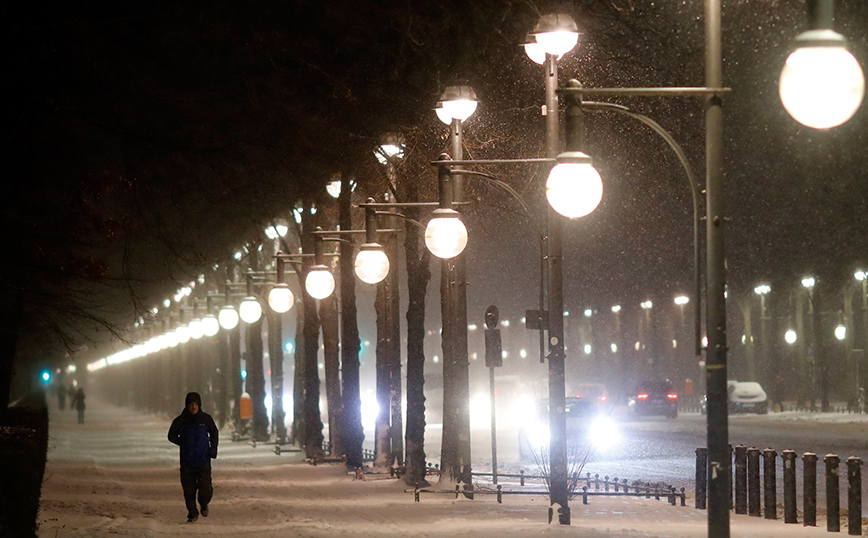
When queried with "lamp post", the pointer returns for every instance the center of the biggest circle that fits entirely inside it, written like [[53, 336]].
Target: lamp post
[[557, 34], [862, 277], [457, 103]]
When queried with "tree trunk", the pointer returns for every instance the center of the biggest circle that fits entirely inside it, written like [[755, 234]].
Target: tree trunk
[[382, 433], [352, 431], [256, 380], [235, 374], [396, 428], [275, 358], [329, 320], [418, 276], [298, 430], [313, 436]]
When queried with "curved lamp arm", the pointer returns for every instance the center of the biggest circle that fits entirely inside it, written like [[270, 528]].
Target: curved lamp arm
[[691, 179]]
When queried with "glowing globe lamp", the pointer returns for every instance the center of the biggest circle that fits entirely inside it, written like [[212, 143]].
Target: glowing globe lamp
[[446, 235], [250, 310], [372, 264], [319, 282], [574, 188], [821, 84], [280, 298], [228, 317]]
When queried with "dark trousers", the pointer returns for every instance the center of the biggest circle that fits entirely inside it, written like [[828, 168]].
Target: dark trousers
[[193, 481], [81, 416]]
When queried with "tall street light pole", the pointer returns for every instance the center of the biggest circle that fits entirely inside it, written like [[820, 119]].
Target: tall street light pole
[[716, 356], [457, 103]]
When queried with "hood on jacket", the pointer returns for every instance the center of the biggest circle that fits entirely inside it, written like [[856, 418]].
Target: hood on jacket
[[193, 397]]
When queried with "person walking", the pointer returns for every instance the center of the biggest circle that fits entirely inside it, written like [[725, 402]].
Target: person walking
[[196, 434], [78, 403]]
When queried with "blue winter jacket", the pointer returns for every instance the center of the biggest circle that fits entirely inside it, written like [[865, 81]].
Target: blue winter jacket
[[197, 437]]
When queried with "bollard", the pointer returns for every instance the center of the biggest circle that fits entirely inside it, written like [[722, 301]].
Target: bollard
[[789, 459], [522, 476], [597, 482], [833, 500], [416, 494], [741, 479], [615, 481], [624, 483], [701, 480], [770, 491], [606, 482], [809, 462], [683, 497], [753, 482], [584, 494], [854, 495], [499, 494]]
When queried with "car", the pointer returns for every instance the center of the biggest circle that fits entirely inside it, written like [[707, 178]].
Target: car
[[654, 398], [592, 391], [589, 428], [747, 397], [743, 397]]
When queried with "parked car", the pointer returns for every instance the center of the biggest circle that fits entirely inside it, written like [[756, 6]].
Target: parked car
[[589, 428], [743, 397], [747, 397], [654, 398]]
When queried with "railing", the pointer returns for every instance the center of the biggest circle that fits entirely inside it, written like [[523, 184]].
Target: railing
[[748, 499], [593, 486]]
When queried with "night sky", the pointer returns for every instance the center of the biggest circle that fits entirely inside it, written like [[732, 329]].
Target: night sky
[[147, 142]]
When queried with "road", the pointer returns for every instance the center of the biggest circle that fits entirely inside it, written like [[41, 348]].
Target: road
[[656, 449]]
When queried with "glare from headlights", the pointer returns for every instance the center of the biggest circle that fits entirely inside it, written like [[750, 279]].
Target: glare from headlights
[[604, 433], [480, 409]]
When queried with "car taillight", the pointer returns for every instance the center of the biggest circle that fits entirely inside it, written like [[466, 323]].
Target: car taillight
[[642, 396], [672, 396]]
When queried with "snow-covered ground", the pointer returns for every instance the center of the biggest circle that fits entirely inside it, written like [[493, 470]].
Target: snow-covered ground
[[117, 475]]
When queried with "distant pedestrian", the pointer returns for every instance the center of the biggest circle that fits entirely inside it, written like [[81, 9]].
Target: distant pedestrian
[[195, 432], [78, 403]]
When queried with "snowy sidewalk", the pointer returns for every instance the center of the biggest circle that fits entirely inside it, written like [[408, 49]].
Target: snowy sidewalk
[[117, 475]]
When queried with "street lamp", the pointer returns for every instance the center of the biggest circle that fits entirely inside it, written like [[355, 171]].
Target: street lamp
[[556, 34], [790, 336], [228, 317], [821, 84], [210, 325], [250, 310], [574, 188], [280, 297], [319, 282], [445, 234], [458, 102]]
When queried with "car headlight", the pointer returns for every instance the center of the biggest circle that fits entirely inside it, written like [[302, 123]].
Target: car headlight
[[604, 433]]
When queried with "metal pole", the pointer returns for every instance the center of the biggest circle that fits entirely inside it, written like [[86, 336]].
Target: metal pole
[[493, 428], [556, 356], [717, 419], [833, 499], [809, 462], [864, 322], [789, 458], [462, 363], [770, 489], [854, 496]]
